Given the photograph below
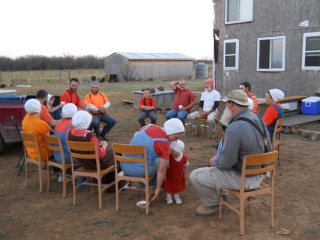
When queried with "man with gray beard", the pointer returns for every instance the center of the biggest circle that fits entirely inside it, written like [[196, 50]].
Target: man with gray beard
[[208, 105], [241, 138]]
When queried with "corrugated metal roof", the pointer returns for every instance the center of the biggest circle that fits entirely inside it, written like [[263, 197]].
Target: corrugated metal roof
[[155, 56]]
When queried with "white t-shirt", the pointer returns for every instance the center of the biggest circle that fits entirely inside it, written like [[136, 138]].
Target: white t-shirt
[[209, 98], [251, 104]]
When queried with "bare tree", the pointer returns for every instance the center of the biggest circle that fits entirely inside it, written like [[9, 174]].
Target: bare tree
[[127, 71]]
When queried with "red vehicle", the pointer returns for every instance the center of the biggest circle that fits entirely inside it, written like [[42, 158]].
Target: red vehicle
[[10, 105]]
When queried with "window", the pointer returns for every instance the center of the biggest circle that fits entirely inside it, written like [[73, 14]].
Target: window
[[231, 54], [311, 51], [238, 11], [271, 54]]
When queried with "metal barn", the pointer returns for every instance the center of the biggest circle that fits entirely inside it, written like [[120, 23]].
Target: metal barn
[[147, 66]]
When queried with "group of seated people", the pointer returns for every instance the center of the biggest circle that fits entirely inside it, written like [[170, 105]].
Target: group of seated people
[[225, 168]]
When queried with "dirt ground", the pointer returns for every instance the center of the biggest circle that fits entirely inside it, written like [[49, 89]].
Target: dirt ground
[[27, 214]]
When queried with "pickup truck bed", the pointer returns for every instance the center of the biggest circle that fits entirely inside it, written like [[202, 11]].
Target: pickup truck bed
[[11, 105]]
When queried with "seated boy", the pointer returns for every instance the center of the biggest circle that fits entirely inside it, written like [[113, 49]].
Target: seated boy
[[147, 108]]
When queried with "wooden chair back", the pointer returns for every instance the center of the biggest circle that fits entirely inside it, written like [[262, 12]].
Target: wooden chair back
[[276, 138], [30, 142], [131, 154], [53, 143], [253, 165], [88, 151]]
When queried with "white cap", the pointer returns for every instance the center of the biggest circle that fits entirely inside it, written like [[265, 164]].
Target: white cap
[[69, 110], [173, 126], [178, 146], [32, 106], [276, 94], [81, 120], [49, 97]]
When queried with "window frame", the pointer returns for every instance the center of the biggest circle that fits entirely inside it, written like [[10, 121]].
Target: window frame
[[244, 20], [282, 69], [236, 54], [305, 36]]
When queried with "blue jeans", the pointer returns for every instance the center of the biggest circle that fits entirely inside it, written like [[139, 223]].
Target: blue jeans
[[97, 118], [177, 114], [150, 113]]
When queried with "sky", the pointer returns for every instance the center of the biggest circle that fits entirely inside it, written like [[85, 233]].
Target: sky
[[102, 27]]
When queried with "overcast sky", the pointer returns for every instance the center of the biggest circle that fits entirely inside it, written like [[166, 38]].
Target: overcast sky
[[102, 27]]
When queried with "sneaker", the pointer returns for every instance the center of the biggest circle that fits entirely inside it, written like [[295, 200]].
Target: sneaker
[[169, 199], [60, 178], [177, 199], [206, 211]]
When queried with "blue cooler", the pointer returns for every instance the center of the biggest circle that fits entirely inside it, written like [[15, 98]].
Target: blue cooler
[[311, 105]]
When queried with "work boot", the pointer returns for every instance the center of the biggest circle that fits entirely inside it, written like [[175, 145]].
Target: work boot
[[206, 211], [104, 136]]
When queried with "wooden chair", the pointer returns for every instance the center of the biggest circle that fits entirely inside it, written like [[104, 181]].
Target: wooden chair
[[30, 140], [266, 159], [276, 138], [53, 143], [140, 151], [88, 151], [205, 126]]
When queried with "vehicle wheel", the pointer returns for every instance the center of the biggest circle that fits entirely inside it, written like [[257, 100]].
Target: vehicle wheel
[[1, 144]]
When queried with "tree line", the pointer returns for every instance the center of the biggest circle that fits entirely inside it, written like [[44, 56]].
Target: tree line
[[38, 62]]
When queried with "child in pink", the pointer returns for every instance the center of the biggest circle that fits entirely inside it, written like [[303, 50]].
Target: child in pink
[[176, 173]]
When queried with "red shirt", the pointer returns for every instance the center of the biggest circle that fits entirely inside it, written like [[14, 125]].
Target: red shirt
[[161, 148], [183, 97], [271, 114], [148, 102], [71, 97]]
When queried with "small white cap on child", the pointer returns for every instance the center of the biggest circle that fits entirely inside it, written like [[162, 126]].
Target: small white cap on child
[[178, 146], [49, 97]]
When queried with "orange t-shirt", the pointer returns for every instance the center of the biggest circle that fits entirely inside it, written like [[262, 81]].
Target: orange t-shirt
[[33, 124], [45, 115]]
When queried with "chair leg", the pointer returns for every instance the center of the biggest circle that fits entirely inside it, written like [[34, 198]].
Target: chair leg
[[241, 215], [48, 178], [196, 127], [74, 188], [40, 178], [278, 157], [21, 166], [147, 198], [64, 175], [100, 192], [271, 209], [26, 168], [117, 196]]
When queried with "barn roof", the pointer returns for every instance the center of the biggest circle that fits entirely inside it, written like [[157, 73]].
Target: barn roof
[[154, 56]]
